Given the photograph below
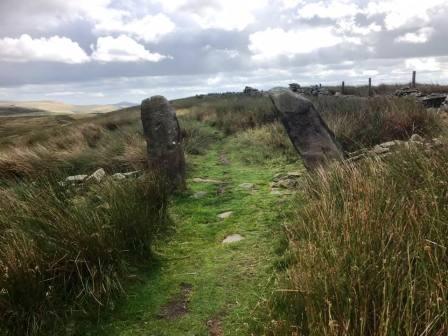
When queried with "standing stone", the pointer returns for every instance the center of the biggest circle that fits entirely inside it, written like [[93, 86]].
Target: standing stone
[[307, 130], [163, 138]]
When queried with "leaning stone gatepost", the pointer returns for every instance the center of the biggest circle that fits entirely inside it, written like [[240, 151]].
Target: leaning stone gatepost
[[164, 141], [311, 137]]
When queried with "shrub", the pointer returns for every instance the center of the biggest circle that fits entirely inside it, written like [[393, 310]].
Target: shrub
[[63, 251], [369, 249]]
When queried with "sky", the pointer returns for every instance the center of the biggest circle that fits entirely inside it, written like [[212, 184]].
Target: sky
[[107, 51]]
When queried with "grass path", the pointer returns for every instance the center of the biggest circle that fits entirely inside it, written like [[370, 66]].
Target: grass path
[[220, 285]]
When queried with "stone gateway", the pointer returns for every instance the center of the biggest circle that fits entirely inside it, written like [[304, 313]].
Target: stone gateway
[[164, 142], [307, 130]]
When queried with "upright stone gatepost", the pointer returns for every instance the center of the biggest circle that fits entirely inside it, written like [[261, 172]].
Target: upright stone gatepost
[[164, 141], [308, 132]]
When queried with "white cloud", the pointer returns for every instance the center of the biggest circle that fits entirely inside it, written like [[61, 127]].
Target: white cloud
[[335, 9], [421, 36], [404, 13], [423, 64], [53, 49], [150, 28], [271, 43], [217, 14], [123, 49]]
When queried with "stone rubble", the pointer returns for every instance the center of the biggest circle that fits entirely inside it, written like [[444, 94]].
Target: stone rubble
[[252, 92], [433, 100], [97, 177], [388, 147]]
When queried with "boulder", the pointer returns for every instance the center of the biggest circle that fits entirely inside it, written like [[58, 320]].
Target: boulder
[[307, 130], [97, 176], [163, 138]]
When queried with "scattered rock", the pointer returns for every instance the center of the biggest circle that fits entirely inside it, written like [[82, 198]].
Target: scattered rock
[[416, 138], [294, 174], [225, 215], [215, 328], [76, 178], [295, 87], [133, 173], [97, 176], [250, 91], [434, 100], [247, 186], [314, 141], [406, 91], [178, 305], [233, 238], [119, 176], [201, 180], [164, 140], [199, 194], [378, 150], [276, 192]]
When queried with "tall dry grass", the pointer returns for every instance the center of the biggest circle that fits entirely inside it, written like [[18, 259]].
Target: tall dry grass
[[369, 249], [234, 113], [361, 122], [67, 250]]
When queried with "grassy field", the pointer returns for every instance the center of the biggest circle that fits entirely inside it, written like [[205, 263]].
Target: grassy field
[[355, 250]]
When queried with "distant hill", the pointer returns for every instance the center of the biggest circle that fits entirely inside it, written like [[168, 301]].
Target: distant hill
[[15, 108]]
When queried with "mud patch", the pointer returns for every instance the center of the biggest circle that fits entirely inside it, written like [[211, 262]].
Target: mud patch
[[178, 305], [215, 327], [224, 160]]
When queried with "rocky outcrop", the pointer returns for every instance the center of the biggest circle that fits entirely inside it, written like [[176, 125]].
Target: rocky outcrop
[[307, 130], [250, 91], [163, 137], [387, 148], [433, 100]]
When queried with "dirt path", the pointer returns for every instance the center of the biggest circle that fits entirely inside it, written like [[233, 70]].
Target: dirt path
[[205, 287]]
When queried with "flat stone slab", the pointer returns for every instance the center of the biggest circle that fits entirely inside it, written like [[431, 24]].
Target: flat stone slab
[[199, 195], [225, 215], [201, 180], [247, 186], [233, 238]]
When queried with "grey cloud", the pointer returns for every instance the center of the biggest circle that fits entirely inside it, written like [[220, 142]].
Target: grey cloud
[[201, 58]]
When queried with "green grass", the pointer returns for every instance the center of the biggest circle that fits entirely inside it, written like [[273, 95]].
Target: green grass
[[229, 282]]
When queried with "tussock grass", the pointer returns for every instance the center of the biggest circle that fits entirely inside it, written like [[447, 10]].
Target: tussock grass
[[65, 250], [234, 113], [369, 249], [197, 137], [268, 142], [360, 122], [113, 141]]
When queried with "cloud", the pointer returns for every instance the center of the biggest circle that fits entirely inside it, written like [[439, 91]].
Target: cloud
[[421, 36], [335, 9], [150, 28], [123, 49], [215, 14], [404, 13], [53, 49], [272, 43], [423, 64]]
